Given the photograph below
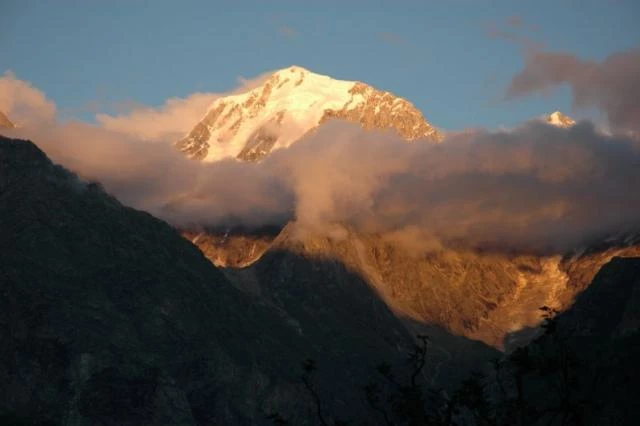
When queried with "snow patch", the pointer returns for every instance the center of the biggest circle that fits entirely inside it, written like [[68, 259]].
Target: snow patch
[[558, 119], [302, 101]]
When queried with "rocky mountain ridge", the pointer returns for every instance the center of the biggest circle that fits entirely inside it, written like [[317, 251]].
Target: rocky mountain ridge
[[291, 103]]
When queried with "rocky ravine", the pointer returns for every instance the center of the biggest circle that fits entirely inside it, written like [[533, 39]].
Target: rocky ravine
[[288, 105]]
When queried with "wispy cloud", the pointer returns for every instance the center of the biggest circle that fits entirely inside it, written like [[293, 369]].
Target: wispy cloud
[[392, 38], [101, 106], [170, 121], [245, 84], [287, 31], [515, 30], [515, 21], [281, 23]]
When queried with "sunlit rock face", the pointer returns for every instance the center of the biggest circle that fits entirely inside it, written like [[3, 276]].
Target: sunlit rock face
[[232, 247], [5, 122], [490, 296], [291, 103]]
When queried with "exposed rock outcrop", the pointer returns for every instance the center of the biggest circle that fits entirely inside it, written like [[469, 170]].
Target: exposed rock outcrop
[[5, 122]]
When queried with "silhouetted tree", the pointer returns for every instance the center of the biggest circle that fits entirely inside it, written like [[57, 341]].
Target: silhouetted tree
[[277, 419], [546, 380], [471, 397], [400, 402], [525, 383], [558, 365], [308, 367]]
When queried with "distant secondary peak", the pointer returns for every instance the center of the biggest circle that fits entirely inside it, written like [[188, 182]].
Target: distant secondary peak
[[559, 119]]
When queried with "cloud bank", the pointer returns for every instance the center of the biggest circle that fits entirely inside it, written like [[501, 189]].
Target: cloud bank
[[536, 188]]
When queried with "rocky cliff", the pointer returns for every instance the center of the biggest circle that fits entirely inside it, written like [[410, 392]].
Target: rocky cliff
[[5, 122]]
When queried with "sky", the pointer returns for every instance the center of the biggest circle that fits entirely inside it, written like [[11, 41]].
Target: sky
[[452, 59]]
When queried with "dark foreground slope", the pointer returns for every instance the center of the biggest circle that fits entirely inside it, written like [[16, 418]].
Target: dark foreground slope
[[603, 332], [108, 316], [585, 369]]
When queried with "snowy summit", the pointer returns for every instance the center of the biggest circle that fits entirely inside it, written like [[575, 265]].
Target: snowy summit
[[289, 104]]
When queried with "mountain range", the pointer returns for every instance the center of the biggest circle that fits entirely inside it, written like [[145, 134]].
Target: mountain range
[[492, 297], [507, 289], [110, 316]]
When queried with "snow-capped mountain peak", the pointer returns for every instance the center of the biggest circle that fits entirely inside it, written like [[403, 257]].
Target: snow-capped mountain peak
[[290, 103], [559, 119]]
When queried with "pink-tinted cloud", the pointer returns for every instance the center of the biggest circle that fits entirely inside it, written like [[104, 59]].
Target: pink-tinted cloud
[[169, 122], [526, 42], [246, 84], [392, 38], [287, 31], [517, 31], [515, 21], [23, 103]]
